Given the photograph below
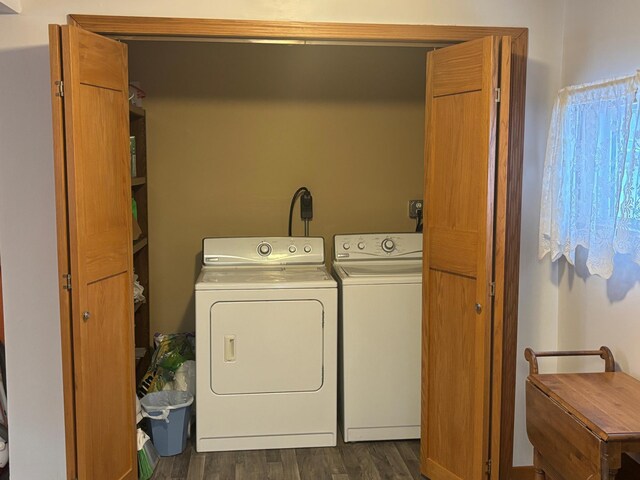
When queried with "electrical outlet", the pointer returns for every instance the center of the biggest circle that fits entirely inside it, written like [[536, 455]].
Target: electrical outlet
[[414, 207]]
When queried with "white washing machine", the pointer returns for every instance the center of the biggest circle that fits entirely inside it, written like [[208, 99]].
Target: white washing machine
[[380, 318], [266, 345]]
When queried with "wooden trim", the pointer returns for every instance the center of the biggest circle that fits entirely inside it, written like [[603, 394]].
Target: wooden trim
[[501, 181], [71, 21], [62, 229], [512, 202], [522, 473], [509, 200], [199, 27]]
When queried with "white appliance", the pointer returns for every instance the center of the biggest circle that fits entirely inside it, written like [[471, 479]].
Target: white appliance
[[266, 345], [380, 318]]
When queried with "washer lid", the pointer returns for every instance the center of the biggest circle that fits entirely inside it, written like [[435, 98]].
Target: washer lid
[[377, 272], [250, 278]]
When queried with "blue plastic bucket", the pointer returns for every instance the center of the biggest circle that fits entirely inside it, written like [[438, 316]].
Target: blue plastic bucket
[[170, 413]]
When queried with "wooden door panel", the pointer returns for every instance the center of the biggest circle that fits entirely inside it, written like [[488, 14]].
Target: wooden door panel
[[457, 180], [459, 166], [107, 416], [461, 69], [106, 179], [451, 430], [453, 251], [94, 71], [93, 55], [105, 171]]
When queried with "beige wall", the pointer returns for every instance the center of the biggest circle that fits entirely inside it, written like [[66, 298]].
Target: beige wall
[[600, 43], [234, 130]]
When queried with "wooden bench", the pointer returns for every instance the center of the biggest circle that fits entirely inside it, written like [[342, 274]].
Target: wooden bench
[[581, 423]]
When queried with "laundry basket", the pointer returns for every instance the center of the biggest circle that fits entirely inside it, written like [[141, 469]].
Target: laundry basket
[[170, 413]]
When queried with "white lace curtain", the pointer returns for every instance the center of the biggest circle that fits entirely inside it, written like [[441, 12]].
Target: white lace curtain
[[591, 183]]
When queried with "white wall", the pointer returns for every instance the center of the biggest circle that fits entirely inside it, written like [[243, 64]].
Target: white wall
[[600, 42], [27, 228]]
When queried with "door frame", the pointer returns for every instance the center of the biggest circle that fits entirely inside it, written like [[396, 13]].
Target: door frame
[[508, 185]]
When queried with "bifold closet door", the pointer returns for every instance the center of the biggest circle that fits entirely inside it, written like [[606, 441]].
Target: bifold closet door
[[460, 153], [95, 135]]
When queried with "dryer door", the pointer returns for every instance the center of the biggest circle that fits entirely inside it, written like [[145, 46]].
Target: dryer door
[[266, 346]]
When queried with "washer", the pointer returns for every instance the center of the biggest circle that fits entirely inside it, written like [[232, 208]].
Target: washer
[[266, 345], [380, 312]]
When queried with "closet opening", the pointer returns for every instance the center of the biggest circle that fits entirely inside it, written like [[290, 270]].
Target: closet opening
[[325, 147]]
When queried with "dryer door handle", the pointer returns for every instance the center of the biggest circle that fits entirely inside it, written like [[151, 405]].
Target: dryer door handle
[[229, 348]]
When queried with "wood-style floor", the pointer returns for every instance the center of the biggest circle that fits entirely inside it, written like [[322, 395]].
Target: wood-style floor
[[398, 460]]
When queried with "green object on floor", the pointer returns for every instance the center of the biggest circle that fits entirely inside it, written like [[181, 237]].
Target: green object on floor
[[147, 456]]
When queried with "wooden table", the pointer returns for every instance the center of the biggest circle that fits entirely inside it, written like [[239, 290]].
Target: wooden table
[[581, 423]]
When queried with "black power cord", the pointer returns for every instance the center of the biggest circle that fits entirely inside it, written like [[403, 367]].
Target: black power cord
[[306, 207], [419, 220]]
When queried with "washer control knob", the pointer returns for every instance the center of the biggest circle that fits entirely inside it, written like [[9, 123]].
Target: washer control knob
[[388, 245], [292, 249], [307, 248], [264, 249], [361, 245], [346, 246]]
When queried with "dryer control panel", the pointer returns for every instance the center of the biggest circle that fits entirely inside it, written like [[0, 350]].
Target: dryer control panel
[[263, 250], [372, 246]]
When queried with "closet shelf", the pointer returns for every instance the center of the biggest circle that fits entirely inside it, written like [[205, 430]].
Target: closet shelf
[[139, 244], [136, 111], [137, 181], [137, 305]]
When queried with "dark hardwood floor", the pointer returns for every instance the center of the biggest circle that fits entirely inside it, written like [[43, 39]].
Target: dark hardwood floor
[[348, 461]]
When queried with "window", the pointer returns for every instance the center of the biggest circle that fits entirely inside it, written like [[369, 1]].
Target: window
[[591, 189]]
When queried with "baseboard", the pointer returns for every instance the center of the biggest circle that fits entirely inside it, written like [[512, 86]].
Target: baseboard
[[521, 473], [630, 471]]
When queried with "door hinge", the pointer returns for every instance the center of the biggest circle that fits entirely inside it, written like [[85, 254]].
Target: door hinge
[[498, 94], [492, 289], [60, 85], [67, 279], [488, 470]]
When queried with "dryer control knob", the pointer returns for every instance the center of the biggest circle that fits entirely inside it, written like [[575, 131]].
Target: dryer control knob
[[388, 245], [307, 248], [264, 249], [346, 246], [361, 245], [292, 249]]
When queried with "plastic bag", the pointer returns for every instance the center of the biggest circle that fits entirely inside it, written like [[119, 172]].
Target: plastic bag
[[158, 405], [172, 351]]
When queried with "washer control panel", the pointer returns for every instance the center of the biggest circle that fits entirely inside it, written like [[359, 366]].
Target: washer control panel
[[371, 246], [262, 250]]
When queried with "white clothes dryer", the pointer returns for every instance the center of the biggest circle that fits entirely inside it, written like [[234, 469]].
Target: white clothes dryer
[[266, 345], [380, 318]]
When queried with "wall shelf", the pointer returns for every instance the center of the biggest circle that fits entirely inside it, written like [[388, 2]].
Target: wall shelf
[[10, 6], [138, 129], [136, 111], [139, 244]]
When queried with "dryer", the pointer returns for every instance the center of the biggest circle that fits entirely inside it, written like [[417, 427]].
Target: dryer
[[380, 319], [266, 345]]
